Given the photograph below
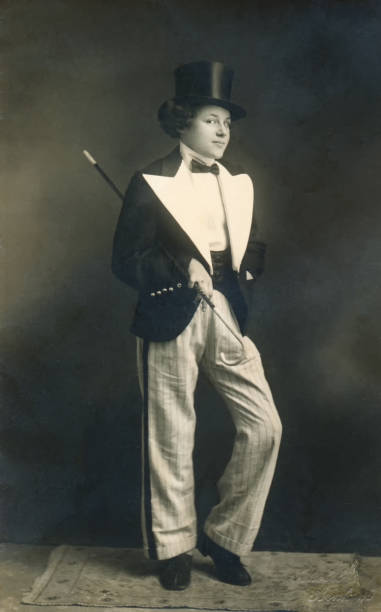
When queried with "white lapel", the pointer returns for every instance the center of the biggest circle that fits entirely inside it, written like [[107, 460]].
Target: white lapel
[[177, 195], [238, 198]]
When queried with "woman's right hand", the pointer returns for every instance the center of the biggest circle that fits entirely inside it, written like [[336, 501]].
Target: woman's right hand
[[199, 278]]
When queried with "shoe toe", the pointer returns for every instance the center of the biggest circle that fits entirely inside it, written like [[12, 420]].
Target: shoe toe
[[175, 573], [233, 574]]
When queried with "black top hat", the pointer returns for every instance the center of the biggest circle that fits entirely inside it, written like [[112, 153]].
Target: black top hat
[[206, 83]]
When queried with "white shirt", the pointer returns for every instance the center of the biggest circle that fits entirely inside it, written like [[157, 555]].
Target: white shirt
[[209, 197]]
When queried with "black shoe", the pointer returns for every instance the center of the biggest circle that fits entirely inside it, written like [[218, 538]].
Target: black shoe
[[175, 573], [228, 565]]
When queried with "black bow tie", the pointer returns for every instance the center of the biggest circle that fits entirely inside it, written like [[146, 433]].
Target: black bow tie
[[197, 167]]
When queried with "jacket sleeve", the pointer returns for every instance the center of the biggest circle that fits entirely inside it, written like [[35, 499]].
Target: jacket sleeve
[[254, 259], [138, 257]]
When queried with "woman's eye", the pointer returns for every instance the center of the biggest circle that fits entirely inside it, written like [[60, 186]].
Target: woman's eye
[[227, 124]]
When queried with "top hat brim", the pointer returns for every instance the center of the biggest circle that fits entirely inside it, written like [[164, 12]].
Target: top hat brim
[[236, 111]]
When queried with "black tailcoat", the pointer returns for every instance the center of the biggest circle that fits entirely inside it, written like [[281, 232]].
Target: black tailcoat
[[156, 237]]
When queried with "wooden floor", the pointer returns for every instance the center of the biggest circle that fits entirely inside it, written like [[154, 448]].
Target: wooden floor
[[21, 564]]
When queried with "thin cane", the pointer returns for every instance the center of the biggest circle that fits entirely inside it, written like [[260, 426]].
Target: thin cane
[[213, 307], [103, 174]]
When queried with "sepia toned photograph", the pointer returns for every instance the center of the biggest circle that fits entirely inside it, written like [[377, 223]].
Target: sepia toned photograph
[[190, 339]]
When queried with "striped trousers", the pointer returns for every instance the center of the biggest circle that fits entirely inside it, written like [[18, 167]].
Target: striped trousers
[[168, 374]]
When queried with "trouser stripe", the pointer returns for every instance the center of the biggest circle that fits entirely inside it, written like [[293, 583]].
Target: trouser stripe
[[146, 462]]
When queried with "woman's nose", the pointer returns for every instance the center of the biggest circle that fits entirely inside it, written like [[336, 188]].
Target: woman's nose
[[221, 129]]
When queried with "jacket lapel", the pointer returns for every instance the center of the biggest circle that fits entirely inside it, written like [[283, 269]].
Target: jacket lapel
[[174, 189], [177, 195], [237, 193]]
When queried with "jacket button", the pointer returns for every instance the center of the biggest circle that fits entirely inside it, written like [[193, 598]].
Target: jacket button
[[170, 288], [165, 290], [152, 294], [179, 285], [158, 292]]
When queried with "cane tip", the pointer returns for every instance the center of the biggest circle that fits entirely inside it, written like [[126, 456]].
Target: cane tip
[[89, 157]]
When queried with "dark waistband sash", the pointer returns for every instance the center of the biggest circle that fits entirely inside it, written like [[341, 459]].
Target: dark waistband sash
[[222, 266]]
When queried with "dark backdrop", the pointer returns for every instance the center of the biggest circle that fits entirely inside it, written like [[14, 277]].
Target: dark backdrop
[[91, 74]]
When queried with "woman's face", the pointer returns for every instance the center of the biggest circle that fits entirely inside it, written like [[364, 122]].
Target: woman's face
[[208, 133]]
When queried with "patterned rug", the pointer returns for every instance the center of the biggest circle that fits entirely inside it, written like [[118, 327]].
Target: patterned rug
[[123, 578]]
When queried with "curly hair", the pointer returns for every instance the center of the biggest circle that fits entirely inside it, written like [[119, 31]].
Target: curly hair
[[174, 117]]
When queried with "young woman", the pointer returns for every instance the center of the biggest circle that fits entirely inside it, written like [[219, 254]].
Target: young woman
[[186, 230]]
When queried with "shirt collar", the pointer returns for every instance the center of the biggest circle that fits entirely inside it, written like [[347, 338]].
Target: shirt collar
[[188, 154]]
